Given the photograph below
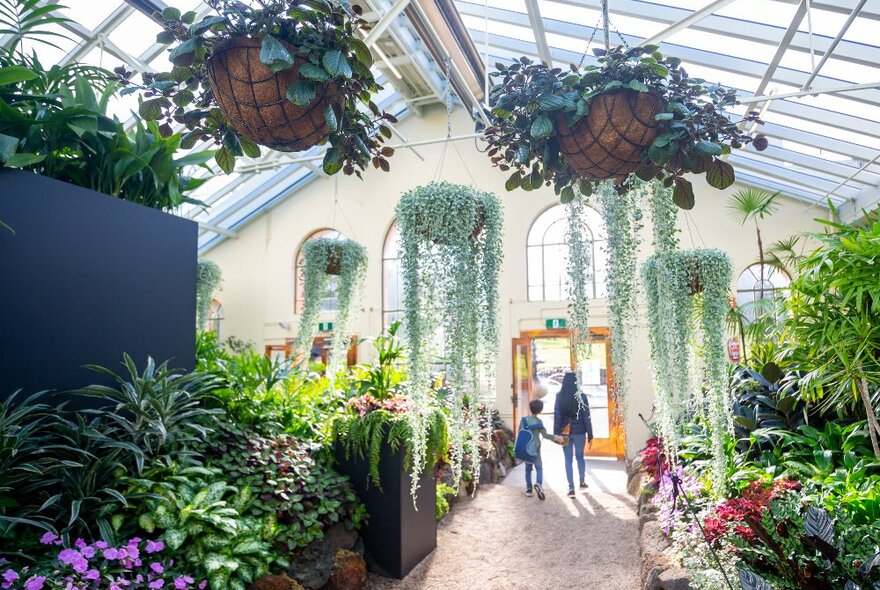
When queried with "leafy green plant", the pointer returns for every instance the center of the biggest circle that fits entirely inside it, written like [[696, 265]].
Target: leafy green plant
[[318, 38], [444, 492], [324, 257], [450, 263], [694, 132], [158, 412], [579, 239], [834, 323], [767, 400], [385, 378], [208, 279], [202, 519]]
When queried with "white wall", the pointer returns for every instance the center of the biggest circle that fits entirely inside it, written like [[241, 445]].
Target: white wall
[[257, 292]]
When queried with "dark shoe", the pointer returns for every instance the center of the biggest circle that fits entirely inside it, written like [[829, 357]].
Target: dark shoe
[[528, 493], [540, 491], [571, 493], [584, 485]]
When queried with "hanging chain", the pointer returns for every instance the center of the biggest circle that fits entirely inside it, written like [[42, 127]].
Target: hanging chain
[[605, 24], [447, 97]]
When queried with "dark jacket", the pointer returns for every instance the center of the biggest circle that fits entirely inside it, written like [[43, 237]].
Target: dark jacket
[[568, 411]]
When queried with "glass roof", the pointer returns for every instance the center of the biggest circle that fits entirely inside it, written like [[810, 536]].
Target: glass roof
[[821, 145]]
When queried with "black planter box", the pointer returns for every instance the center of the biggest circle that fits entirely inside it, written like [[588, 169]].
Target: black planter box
[[87, 277], [398, 534]]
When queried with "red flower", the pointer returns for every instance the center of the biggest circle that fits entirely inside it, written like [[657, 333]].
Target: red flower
[[715, 528], [744, 532]]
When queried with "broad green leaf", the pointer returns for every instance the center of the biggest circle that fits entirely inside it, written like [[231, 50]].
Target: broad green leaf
[[250, 149], [225, 159], [513, 181], [205, 24], [274, 55], [330, 117], [22, 160], [15, 74], [683, 195], [313, 72], [183, 54], [720, 174], [362, 52], [301, 92], [542, 126], [708, 148], [147, 522], [567, 195], [551, 102], [336, 64], [8, 146], [151, 109], [171, 14]]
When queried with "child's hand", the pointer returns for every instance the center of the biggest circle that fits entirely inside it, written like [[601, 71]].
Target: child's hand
[[559, 439]]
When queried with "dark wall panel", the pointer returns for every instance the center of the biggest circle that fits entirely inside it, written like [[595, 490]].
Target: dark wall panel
[[85, 278]]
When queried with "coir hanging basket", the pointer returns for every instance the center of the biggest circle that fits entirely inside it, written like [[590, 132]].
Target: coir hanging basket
[[252, 98], [609, 140]]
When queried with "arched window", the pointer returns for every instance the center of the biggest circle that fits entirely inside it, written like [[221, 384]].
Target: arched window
[[329, 303], [215, 318], [547, 256], [759, 282], [392, 288]]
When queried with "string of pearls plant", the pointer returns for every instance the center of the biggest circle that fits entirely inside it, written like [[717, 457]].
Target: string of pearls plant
[[623, 223], [579, 239], [208, 279], [323, 258], [450, 263], [686, 293]]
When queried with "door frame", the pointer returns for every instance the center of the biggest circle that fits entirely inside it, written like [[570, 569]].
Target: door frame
[[617, 436]]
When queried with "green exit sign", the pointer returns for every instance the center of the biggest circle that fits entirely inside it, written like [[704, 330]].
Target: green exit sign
[[325, 326], [555, 323]]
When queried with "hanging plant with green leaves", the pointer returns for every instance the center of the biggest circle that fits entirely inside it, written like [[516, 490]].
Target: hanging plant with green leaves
[[579, 240], [635, 111], [323, 258], [450, 264], [622, 213], [208, 279], [285, 74], [687, 307]]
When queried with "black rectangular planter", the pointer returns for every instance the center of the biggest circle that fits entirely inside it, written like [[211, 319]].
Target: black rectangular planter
[[398, 535], [85, 278]]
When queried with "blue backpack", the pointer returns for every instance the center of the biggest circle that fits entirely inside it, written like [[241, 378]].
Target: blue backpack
[[527, 445]]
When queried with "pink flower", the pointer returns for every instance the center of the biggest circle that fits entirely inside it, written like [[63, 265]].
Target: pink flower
[[92, 574], [155, 546], [156, 584], [80, 543], [10, 576], [69, 556], [35, 583], [101, 545], [88, 551], [48, 538], [157, 567], [111, 553], [80, 565], [202, 584], [182, 583]]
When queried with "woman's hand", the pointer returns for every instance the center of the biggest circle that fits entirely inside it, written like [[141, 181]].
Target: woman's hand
[[559, 439], [590, 444]]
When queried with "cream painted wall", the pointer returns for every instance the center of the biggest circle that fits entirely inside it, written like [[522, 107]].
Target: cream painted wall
[[257, 292]]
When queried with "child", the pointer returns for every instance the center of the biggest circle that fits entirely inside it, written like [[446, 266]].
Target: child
[[536, 427]]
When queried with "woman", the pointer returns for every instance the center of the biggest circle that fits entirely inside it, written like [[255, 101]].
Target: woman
[[571, 419]]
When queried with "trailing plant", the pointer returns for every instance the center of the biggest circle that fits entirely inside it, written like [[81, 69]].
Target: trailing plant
[[535, 103], [450, 263], [313, 46], [208, 279], [371, 424], [623, 224], [834, 322], [579, 240], [687, 298], [324, 257]]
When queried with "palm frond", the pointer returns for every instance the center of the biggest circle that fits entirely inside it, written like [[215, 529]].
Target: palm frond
[[752, 203]]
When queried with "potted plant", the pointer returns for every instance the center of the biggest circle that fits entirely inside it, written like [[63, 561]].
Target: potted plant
[[323, 258], [450, 261], [636, 111], [208, 279], [285, 74], [374, 446]]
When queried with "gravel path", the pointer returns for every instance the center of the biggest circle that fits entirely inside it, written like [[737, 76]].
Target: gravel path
[[502, 540]]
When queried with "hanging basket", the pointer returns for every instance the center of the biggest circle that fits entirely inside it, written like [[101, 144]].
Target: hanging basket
[[252, 98], [334, 262], [608, 142], [442, 239]]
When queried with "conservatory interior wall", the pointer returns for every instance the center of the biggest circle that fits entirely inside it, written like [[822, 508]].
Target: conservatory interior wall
[[258, 265]]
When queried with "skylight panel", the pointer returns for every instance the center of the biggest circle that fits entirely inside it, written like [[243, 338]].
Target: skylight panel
[[135, 34], [778, 14], [89, 13], [760, 52], [499, 28], [822, 130], [818, 152]]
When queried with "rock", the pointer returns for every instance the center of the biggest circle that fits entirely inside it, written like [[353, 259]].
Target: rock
[[270, 582], [340, 537], [349, 572], [676, 578], [312, 566], [634, 485], [655, 558], [486, 471]]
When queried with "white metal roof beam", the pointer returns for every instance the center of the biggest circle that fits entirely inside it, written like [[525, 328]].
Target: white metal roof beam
[[782, 47], [538, 28], [387, 19], [834, 43], [686, 22], [843, 7]]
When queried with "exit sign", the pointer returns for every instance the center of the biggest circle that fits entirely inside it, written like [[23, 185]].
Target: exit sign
[[325, 326], [555, 323]]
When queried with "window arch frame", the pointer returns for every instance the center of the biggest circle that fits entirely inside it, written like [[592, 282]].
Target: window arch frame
[[598, 274], [769, 294], [298, 300], [214, 321], [392, 232]]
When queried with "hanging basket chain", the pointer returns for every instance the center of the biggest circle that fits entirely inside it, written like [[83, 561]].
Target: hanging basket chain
[[605, 23]]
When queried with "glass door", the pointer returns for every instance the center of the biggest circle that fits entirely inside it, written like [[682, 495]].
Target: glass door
[[522, 379]]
